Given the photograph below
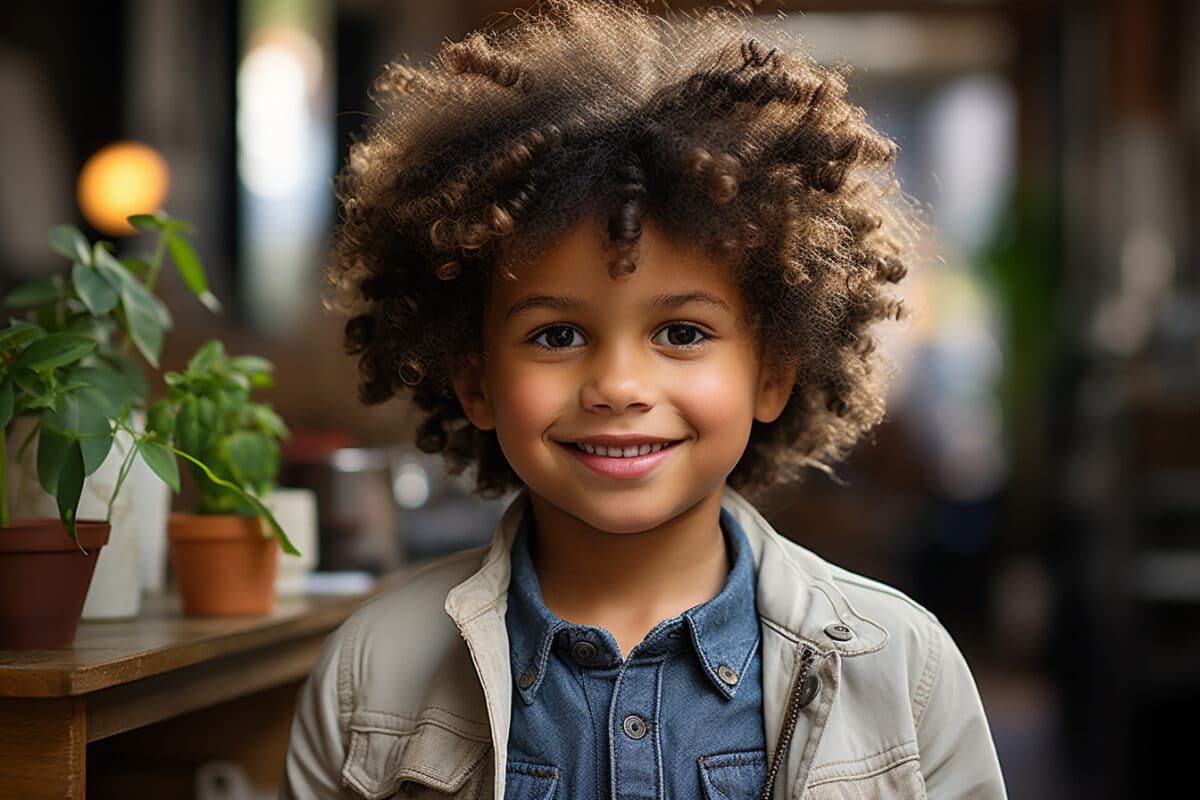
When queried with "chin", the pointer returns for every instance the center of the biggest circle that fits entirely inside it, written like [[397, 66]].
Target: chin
[[619, 521]]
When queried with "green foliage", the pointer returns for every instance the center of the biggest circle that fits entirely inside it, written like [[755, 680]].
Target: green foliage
[[230, 441], [65, 355], [38, 377], [67, 361]]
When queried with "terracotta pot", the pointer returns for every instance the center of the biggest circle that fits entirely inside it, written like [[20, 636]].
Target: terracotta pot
[[44, 578], [223, 564]]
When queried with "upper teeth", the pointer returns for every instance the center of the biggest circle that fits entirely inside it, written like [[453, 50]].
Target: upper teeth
[[620, 452]]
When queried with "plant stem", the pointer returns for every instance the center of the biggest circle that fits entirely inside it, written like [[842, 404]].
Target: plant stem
[[160, 250], [123, 473]]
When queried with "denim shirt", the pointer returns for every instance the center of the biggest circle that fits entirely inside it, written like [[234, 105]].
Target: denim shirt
[[680, 717]]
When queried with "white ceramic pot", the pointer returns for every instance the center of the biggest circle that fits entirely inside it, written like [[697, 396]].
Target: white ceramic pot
[[296, 511]]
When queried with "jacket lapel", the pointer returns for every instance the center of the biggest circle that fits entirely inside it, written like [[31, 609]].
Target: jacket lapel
[[477, 606]]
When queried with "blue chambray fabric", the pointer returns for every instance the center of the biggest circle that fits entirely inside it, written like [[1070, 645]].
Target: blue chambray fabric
[[661, 724]]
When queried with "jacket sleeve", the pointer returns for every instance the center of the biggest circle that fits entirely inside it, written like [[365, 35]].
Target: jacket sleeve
[[958, 758], [317, 745]]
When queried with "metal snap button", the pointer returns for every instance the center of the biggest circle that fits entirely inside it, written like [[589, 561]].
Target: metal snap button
[[635, 727], [527, 678], [584, 651], [839, 632], [726, 674], [808, 690]]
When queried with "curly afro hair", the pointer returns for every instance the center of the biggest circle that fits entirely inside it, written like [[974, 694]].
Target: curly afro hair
[[483, 157]]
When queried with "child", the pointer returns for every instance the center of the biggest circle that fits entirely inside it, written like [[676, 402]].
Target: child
[[624, 264]]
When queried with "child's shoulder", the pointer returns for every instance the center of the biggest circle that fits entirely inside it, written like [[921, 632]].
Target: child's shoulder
[[417, 595], [807, 597]]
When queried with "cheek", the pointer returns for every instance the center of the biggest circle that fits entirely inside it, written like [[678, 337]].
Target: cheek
[[529, 400], [717, 396]]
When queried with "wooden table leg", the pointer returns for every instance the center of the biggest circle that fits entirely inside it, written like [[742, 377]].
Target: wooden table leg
[[43, 748]]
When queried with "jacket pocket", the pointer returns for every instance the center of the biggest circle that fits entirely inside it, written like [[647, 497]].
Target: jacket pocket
[[901, 781], [436, 755], [524, 781], [733, 776]]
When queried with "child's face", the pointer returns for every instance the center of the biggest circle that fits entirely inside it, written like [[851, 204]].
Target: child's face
[[661, 360]]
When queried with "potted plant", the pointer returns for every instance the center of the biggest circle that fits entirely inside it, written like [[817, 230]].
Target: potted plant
[[110, 301], [46, 563], [224, 556]]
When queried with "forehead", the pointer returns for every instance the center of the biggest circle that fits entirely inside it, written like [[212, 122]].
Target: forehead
[[577, 264]]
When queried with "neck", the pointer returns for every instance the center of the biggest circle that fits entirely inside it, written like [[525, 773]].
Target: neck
[[628, 583]]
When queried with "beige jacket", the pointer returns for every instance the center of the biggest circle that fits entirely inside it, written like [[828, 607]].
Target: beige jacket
[[865, 689]]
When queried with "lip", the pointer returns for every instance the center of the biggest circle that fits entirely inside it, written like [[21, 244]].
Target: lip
[[623, 468]]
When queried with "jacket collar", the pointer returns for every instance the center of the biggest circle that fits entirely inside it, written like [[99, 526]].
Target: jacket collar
[[795, 591], [722, 631]]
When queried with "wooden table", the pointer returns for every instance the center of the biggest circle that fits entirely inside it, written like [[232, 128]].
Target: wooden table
[[123, 676]]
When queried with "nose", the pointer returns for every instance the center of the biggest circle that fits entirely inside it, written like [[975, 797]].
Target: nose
[[617, 382]]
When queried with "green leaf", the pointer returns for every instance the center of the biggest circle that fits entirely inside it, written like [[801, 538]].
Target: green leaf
[[136, 266], [206, 358], [29, 382], [160, 459], [54, 350], [35, 293], [6, 403], [82, 416], [18, 333], [131, 371], [68, 241], [95, 292], [145, 222], [195, 424], [145, 315], [51, 450], [111, 390], [191, 270], [95, 451], [252, 458], [70, 487], [160, 420], [124, 281], [267, 421], [94, 427], [145, 327], [251, 365]]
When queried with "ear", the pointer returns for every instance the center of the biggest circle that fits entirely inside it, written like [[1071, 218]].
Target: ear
[[471, 390], [775, 382]]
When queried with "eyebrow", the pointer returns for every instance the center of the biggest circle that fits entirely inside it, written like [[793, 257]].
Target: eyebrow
[[658, 302]]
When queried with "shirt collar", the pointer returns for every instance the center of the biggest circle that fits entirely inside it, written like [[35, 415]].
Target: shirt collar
[[724, 631]]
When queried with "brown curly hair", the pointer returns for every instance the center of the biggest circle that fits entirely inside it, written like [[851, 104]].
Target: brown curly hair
[[483, 157]]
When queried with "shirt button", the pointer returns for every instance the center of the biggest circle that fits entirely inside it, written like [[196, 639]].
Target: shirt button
[[585, 651], [728, 675], [839, 632], [635, 727], [528, 677]]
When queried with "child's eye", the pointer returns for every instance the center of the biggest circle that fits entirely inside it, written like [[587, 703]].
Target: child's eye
[[680, 334], [557, 337]]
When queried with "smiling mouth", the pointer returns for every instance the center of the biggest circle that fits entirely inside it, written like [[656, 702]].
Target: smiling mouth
[[625, 451]]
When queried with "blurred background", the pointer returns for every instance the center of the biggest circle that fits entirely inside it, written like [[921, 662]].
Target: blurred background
[[1037, 482]]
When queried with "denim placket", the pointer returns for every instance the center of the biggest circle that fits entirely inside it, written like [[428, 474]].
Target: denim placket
[[636, 762]]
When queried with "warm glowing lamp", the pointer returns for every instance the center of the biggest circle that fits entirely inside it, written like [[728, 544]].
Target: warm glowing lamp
[[119, 180]]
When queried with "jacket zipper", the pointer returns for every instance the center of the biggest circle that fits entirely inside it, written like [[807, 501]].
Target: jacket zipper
[[794, 704]]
